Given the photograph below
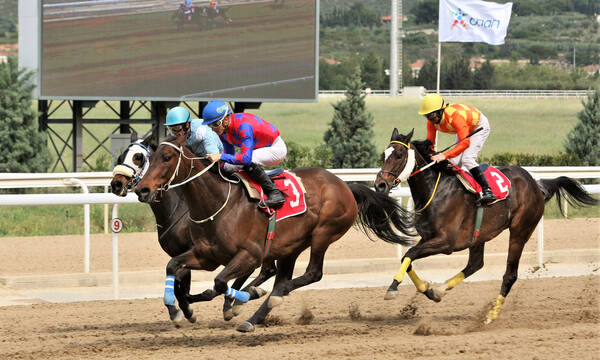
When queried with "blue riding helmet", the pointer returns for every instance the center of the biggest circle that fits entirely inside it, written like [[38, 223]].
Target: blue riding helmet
[[215, 111], [177, 115]]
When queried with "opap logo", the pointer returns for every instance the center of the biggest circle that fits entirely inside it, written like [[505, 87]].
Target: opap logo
[[460, 18]]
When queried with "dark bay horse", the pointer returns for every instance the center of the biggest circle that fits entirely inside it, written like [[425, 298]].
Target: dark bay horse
[[446, 214], [230, 230], [173, 226]]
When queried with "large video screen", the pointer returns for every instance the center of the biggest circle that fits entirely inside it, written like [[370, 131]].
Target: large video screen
[[161, 50]]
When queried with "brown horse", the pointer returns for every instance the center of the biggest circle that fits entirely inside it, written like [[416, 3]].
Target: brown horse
[[230, 230], [447, 214], [172, 222]]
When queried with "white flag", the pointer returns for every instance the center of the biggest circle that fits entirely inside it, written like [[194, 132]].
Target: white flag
[[473, 21]]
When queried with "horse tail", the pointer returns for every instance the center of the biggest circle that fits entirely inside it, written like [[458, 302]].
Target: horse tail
[[376, 211], [568, 188]]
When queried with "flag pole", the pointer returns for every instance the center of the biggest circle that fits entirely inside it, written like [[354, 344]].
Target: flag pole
[[439, 63]]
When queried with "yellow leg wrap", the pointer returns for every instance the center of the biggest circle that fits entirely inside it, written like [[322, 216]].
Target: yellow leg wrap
[[419, 284], [493, 314], [451, 283], [400, 274]]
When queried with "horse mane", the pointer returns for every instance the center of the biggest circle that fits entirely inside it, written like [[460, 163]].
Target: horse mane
[[423, 147], [174, 140]]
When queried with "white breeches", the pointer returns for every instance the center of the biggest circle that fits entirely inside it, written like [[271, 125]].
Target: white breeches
[[266, 156], [468, 159]]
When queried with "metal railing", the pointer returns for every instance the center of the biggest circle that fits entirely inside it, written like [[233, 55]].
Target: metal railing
[[481, 93], [86, 180]]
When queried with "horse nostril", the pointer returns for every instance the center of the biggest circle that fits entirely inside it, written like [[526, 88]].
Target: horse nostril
[[381, 187], [116, 187], [142, 193]]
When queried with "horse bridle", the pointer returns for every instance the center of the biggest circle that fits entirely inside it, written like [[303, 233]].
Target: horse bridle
[[405, 173], [136, 176], [189, 178]]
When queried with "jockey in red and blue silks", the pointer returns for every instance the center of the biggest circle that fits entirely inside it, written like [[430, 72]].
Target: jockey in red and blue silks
[[259, 142]]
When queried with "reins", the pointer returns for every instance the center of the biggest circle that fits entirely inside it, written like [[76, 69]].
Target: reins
[[190, 178], [399, 178]]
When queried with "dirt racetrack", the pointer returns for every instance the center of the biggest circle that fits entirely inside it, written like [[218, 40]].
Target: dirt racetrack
[[542, 319], [547, 318]]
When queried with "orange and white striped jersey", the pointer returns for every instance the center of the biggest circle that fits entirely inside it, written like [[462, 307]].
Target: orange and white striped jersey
[[459, 119]]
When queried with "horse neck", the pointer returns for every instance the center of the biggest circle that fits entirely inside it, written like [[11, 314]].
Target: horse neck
[[423, 183], [168, 209], [205, 194]]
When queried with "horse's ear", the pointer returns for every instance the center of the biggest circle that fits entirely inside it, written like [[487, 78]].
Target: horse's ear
[[133, 136], [409, 135], [395, 134], [147, 141]]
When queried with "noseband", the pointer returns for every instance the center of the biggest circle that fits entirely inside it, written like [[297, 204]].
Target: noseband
[[408, 168], [134, 172]]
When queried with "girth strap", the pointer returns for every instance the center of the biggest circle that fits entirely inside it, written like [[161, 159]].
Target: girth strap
[[270, 233], [478, 221]]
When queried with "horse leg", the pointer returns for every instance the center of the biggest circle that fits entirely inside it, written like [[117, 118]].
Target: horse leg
[[267, 271], [227, 301], [176, 273], [422, 249], [474, 264], [517, 241], [241, 265], [285, 269], [182, 292]]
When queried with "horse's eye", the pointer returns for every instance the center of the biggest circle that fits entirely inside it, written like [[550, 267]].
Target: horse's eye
[[167, 158], [138, 159]]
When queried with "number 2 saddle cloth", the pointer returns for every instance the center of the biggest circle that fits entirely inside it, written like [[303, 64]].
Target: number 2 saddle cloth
[[286, 181], [498, 182]]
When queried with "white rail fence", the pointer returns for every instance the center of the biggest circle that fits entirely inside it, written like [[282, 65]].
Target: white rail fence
[[102, 179]]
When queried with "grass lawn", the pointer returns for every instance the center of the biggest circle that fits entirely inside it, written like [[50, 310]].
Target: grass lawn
[[519, 125]]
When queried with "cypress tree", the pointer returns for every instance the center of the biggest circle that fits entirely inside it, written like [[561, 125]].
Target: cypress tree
[[23, 147], [350, 134], [584, 139]]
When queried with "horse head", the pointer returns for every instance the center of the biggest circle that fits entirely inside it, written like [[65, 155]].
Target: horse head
[[398, 162], [131, 165], [170, 165]]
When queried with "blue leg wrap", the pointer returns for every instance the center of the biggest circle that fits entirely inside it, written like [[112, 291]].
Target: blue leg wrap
[[169, 297], [240, 296]]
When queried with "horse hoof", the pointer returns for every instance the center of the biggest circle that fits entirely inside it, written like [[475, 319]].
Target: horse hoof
[[192, 318], [390, 295], [258, 292], [177, 318], [435, 294], [275, 301], [228, 315], [245, 327]]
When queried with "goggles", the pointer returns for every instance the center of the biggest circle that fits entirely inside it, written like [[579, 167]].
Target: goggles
[[176, 128], [216, 124]]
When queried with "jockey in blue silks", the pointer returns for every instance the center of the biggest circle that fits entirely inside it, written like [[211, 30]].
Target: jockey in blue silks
[[201, 139], [259, 143]]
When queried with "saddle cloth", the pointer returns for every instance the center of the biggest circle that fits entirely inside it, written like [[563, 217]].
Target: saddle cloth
[[290, 184], [498, 182]]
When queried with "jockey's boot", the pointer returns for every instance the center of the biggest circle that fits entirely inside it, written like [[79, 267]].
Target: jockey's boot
[[487, 196], [275, 198]]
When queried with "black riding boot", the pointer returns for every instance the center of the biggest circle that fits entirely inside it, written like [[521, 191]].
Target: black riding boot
[[275, 198], [487, 196]]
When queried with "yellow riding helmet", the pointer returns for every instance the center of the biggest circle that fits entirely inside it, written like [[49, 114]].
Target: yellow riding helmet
[[431, 103]]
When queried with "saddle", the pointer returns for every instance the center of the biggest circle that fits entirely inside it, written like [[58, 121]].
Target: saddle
[[286, 181], [498, 182]]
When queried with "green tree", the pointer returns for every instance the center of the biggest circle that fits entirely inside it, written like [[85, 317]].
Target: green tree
[[428, 74], [372, 72], [584, 139], [24, 148], [483, 78], [457, 75], [350, 134]]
